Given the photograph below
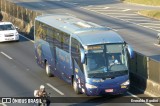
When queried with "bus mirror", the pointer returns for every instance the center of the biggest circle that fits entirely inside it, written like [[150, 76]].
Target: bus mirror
[[131, 52], [82, 55]]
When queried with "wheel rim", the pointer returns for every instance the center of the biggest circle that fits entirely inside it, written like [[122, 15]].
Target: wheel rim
[[75, 85]]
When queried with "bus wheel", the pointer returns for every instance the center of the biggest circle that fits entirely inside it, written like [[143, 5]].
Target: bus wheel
[[48, 70], [75, 87]]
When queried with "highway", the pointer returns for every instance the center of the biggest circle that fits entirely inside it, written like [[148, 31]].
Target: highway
[[20, 75]]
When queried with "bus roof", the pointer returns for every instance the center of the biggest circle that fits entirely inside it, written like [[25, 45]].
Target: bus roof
[[86, 32]]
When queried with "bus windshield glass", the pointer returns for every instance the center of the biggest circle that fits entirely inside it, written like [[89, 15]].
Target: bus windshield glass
[[107, 61]]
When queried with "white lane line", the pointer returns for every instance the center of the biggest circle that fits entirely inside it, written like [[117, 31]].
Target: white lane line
[[149, 24], [69, 3], [149, 104], [108, 11], [54, 88], [41, 4], [121, 19], [106, 8], [95, 8], [3, 104], [156, 44], [156, 27], [126, 10], [6, 55], [74, 3], [120, 14], [90, 6], [27, 38], [129, 16], [138, 20]]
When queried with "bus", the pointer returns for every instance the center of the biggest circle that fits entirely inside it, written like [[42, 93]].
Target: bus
[[91, 58]]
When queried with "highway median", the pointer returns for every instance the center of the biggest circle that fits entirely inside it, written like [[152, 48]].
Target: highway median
[[148, 13]]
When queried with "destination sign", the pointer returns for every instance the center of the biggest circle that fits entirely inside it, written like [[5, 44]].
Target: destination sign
[[97, 47]]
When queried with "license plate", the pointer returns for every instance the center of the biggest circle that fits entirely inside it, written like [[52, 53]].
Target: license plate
[[109, 90], [9, 38]]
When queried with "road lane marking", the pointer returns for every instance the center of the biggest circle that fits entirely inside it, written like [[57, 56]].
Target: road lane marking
[[151, 24], [130, 17], [140, 20], [121, 14], [149, 104], [6, 55], [126, 10], [156, 27], [121, 19], [41, 4], [156, 44], [96, 8], [3, 104], [74, 3], [55, 89], [106, 8], [27, 38]]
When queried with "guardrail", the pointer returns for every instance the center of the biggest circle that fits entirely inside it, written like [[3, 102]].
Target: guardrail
[[144, 71]]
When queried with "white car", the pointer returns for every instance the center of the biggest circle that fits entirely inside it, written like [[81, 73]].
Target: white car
[[8, 32]]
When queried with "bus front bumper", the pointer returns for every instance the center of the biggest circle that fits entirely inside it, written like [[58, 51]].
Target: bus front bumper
[[99, 91]]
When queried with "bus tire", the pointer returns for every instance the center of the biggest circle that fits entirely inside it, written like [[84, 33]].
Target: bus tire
[[75, 87], [48, 70]]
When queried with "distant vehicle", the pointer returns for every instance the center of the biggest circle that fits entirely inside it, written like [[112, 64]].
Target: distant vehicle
[[8, 32], [80, 53]]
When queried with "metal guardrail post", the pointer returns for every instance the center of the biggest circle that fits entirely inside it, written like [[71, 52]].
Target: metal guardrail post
[[158, 37], [148, 59]]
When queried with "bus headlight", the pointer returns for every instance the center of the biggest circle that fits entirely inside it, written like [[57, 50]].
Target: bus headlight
[[90, 86], [126, 83]]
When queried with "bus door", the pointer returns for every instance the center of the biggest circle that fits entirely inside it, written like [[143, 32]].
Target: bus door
[[78, 66]]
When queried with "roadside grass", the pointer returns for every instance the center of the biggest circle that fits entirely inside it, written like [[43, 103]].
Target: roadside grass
[[150, 13], [145, 2]]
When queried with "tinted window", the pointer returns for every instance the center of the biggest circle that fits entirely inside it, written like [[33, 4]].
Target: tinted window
[[54, 36]]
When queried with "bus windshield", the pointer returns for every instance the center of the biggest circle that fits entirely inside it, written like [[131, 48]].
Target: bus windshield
[[107, 61]]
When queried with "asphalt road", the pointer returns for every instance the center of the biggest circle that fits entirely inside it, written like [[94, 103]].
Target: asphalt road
[[20, 75]]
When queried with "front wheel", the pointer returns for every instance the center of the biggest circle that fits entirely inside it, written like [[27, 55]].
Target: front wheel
[[75, 87], [48, 70]]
